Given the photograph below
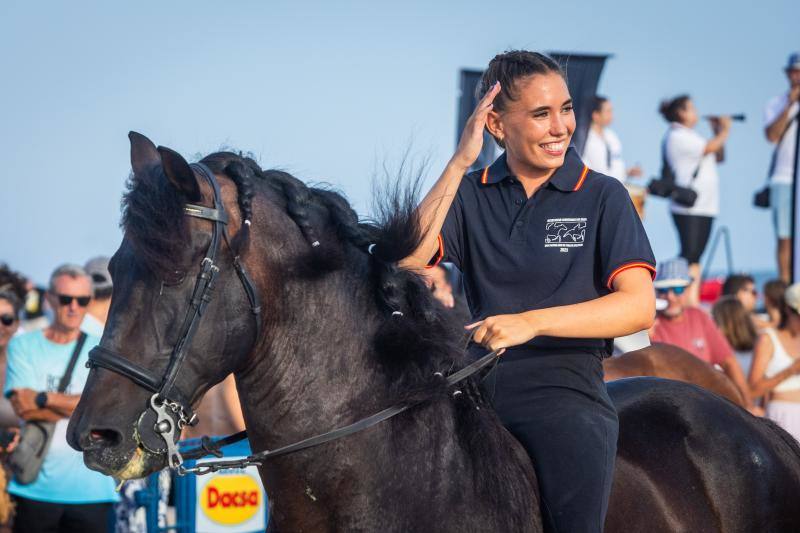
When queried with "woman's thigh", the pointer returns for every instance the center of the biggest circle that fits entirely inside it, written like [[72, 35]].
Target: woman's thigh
[[559, 410]]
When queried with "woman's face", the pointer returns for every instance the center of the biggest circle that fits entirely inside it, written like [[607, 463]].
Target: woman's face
[[7, 331], [604, 116], [688, 115], [537, 127]]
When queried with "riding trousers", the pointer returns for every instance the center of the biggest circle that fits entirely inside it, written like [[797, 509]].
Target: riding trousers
[[557, 406]]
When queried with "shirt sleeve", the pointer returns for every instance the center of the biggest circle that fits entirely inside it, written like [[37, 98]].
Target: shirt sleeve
[[19, 373], [451, 237], [622, 242], [718, 347]]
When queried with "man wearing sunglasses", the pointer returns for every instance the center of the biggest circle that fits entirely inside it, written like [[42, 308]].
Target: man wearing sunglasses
[[690, 327], [65, 496]]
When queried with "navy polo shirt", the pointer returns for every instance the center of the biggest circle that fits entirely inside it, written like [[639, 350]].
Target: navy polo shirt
[[563, 245]]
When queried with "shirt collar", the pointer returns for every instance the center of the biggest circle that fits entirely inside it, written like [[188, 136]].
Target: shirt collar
[[567, 178]]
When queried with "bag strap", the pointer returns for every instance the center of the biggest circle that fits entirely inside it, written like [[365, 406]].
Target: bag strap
[[774, 158], [665, 166], [67, 377]]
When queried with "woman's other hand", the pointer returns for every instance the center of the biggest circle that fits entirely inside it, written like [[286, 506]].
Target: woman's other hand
[[471, 143], [503, 331]]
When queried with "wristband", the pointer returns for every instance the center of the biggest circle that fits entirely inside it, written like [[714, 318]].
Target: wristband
[[41, 400]]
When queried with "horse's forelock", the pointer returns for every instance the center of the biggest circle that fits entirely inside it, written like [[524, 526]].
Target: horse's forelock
[[153, 221]]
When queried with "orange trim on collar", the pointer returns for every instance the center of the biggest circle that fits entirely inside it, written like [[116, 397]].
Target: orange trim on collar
[[485, 176], [637, 264], [439, 254], [582, 178]]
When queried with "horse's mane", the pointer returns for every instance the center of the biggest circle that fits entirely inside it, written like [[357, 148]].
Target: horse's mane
[[416, 338]]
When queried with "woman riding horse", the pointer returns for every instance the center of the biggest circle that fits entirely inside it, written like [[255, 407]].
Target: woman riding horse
[[551, 301]]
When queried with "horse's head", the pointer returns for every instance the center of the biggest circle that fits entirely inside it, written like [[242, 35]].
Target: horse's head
[[181, 318]]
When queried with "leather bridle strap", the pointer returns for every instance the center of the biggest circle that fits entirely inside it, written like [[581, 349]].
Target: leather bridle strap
[[213, 448], [104, 358]]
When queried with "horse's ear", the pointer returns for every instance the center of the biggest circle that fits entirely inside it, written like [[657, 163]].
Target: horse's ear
[[143, 153], [180, 173]]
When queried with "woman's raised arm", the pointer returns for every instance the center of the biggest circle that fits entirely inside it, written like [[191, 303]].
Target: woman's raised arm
[[433, 209]]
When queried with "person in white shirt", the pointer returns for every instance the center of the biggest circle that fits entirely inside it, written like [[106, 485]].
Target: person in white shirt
[[780, 127], [603, 150], [693, 161]]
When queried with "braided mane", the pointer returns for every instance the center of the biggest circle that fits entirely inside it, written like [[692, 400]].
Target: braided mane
[[416, 338]]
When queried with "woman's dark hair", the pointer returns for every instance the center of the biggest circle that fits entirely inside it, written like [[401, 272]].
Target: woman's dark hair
[[736, 282], [510, 67], [12, 281], [735, 323], [597, 103], [670, 109], [773, 293], [12, 298]]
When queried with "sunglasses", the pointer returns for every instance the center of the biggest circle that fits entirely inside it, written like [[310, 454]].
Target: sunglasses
[[675, 290], [65, 300], [7, 320]]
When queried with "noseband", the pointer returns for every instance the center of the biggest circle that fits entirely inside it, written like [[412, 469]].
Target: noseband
[[169, 409]]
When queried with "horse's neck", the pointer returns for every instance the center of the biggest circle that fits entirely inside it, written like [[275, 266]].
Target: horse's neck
[[316, 372]]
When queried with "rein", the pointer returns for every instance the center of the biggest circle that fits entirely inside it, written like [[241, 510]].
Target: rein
[[209, 447]]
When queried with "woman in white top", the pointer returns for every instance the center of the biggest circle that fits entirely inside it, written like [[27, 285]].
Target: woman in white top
[[693, 161], [776, 365]]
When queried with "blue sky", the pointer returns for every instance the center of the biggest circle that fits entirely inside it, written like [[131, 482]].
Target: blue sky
[[329, 91]]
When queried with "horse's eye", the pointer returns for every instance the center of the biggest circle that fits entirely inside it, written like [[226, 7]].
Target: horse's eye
[[174, 278]]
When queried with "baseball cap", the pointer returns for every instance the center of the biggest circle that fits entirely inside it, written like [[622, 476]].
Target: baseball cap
[[97, 268], [673, 273], [793, 62], [792, 296]]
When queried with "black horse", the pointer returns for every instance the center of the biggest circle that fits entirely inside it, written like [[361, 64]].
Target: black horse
[[345, 333]]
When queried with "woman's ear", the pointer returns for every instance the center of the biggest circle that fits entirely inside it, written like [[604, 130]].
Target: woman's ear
[[494, 125]]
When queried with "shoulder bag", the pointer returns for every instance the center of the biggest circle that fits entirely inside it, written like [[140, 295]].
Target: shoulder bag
[[666, 187]]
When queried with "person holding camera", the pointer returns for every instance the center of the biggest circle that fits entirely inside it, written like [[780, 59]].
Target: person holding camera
[[692, 160], [780, 128]]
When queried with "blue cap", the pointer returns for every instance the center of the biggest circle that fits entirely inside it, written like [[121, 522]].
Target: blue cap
[[673, 273], [793, 62]]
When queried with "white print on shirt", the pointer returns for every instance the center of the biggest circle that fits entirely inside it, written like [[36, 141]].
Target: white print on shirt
[[564, 233], [52, 384]]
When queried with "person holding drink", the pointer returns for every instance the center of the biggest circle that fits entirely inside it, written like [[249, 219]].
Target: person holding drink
[[555, 262]]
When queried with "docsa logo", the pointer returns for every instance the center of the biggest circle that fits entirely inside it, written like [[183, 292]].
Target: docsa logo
[[231, 499]]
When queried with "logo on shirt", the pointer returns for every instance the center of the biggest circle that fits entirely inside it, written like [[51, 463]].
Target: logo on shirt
[[564, 233]]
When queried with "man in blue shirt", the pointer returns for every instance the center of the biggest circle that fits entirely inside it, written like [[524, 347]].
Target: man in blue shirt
[[65, 496]]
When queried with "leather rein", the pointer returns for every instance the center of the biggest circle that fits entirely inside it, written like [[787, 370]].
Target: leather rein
[[169, 411]]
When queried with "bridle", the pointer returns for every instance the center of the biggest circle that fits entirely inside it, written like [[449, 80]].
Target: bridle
[[169, 409]]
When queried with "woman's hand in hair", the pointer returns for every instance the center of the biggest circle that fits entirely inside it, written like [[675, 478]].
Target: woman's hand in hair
[[471, 143], [503, 331]]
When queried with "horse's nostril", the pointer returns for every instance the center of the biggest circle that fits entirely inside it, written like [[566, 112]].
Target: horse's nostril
[[105, 437]]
